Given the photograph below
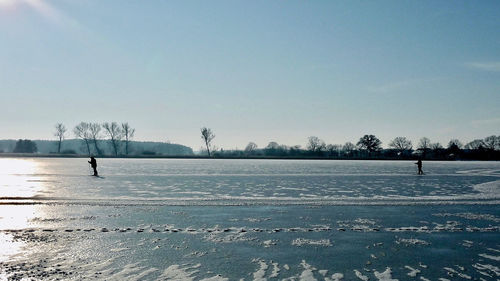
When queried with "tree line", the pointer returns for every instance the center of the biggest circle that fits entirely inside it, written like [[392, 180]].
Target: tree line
[[98, 139], [119, 135], [367, 147]]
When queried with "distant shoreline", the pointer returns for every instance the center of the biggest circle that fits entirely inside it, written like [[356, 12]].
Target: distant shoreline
[[53, 155]]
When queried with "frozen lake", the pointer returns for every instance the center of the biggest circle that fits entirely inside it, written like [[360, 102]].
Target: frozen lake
[[195, 219]]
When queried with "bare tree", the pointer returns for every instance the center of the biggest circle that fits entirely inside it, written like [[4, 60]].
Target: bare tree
[[330, 148], [95, 134], [492, 142], [475, 145], [454, 147], [128, 133], [273, 145], [114, 133], [370, 143], [348, 148], [455, 144], [315, 144], [401, 144], [424, 144], [435, 145], [275, 149], [295, 150], [60, 133], [334, 149], [251, 147], [207, 136], [82, 131]]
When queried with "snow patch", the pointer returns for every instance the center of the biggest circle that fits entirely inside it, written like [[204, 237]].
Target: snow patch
[[307, 274], [176, 272], [385, 276], [452, 271], [488, 190], [412, 241], [337, 277], [487, 267], [360, 275], [302, 241], [413, 272], [261, 272], [486, 256], [276, 270]]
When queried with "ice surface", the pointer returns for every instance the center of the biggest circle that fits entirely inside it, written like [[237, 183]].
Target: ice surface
[[250, 220], [232, 182]]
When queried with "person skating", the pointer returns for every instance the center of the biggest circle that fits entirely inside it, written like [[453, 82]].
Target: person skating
[[93, 163], [419, 165]]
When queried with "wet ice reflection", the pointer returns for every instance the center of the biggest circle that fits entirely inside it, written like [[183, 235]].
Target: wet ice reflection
[[19, 178], [8, 248], [13, 218], [17, 216], [71, 231]]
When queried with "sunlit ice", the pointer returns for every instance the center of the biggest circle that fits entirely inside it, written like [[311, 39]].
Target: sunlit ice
[[14, 218], [9, 248], [17, 178], [16, 166], [16, 181]]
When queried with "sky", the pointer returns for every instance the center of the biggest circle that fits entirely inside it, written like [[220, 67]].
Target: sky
[[255, 71]]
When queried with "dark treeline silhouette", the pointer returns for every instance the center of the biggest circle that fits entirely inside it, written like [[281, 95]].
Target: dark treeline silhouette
[[98, 139], [370, 147], [76, 147], [25, 146], [113, 139]]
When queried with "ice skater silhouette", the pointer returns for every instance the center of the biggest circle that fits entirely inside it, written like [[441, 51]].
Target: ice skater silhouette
[[93, 163], [419, 165]]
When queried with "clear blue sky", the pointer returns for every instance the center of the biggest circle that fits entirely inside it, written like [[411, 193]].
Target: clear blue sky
[[252, 70]]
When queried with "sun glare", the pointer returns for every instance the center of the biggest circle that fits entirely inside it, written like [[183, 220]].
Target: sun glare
[[18, 178], [17, 166], [9, 248], [16, 181]]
